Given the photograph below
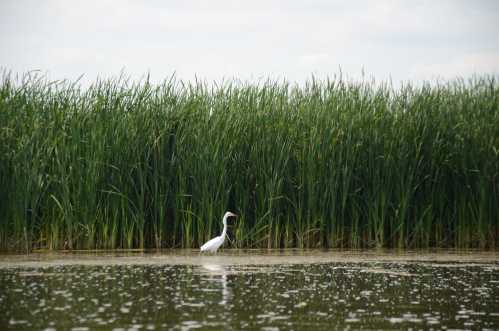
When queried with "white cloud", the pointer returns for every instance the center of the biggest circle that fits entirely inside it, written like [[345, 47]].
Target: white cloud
[[250, 39], [459, 66]]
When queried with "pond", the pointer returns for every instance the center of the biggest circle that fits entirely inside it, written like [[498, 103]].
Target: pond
[[246, 289]]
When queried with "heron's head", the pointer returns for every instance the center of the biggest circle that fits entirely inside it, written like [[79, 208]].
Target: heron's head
[[229, 214]]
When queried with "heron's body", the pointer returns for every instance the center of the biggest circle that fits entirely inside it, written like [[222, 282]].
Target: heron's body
[[214, 244]]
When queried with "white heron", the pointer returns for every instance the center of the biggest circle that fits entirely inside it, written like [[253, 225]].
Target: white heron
[[214, 244]]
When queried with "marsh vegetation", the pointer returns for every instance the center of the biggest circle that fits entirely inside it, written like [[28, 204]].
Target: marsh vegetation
[[328, 164]]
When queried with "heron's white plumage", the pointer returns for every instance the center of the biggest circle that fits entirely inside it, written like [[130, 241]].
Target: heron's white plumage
[[214, 244]]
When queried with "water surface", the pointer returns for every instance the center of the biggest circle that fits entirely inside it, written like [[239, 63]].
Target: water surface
[[273, 290]]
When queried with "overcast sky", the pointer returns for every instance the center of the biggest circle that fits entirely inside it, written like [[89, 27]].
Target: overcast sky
[[250, 40]]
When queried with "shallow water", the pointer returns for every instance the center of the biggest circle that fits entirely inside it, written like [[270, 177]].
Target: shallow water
[[250, 289]]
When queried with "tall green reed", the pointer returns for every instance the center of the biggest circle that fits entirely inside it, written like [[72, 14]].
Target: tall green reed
[[329, 164]]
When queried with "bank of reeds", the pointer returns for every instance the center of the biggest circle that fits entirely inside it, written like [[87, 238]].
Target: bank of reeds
[[328, 164]]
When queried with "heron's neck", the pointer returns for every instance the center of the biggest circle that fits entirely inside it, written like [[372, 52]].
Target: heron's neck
[[224, 231]]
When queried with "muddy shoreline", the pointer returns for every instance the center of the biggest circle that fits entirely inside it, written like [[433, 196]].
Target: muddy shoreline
[[245, 257]]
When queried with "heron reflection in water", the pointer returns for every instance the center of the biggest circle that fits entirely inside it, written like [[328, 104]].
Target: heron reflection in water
[[218, 273]]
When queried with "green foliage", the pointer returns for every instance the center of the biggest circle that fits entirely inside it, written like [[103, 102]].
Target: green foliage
[[328, 164]]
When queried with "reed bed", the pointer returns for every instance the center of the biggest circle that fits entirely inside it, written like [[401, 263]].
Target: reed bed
[[333, 163]]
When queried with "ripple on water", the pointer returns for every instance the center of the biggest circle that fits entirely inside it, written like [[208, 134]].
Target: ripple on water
[[380, 294]]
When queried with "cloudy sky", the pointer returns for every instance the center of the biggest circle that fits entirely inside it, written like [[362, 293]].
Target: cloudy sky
[[250, 40]]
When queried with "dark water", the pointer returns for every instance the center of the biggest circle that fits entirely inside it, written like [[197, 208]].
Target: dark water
[[314, 296]]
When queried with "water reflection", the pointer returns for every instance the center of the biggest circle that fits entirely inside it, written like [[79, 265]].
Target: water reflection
[[217, 295], [214, 269], [218, 273]]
